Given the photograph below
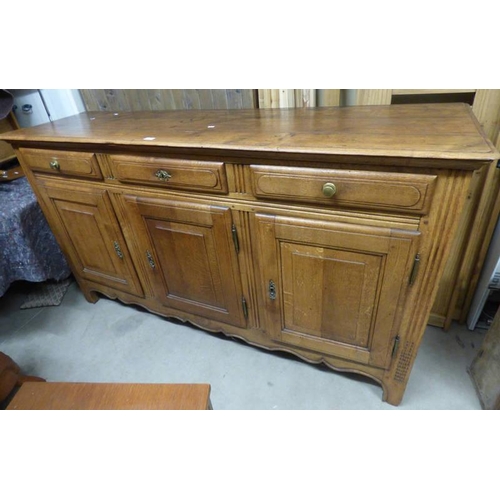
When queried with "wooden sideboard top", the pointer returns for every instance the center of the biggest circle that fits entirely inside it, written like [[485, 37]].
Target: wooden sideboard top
[[437, 131]]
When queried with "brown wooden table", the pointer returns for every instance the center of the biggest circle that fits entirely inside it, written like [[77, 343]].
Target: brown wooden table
[[108, 396]]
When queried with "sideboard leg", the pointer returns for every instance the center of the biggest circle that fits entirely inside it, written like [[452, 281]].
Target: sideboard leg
[[90, 295], [393, 393]]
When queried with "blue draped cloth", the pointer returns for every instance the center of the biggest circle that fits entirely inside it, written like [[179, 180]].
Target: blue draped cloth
[[28, 249]]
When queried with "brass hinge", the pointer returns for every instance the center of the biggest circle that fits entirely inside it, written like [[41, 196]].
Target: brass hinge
[[395, 346], [414, 271], [118, 250], [151, 261], [234, 231], [245, 307]]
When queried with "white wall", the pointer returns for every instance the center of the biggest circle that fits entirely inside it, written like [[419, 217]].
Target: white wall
[[59, 103]]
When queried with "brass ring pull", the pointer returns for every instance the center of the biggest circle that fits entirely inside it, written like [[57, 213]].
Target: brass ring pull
[[329, 189], [54, 164], [163, 175]]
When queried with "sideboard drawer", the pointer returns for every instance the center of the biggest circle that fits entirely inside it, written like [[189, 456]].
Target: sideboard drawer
[[70, 163], [192, 175], [354, 188]]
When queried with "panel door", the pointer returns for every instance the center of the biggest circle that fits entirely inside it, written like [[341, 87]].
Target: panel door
[[190, 255], [334, 288], [85, 224]]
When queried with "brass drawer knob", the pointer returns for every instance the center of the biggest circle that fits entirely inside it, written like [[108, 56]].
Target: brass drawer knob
[[329, 189], [163, 175], [54, 164]]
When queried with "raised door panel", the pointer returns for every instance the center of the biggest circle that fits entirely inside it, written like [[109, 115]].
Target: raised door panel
[[317, 305], [334, 288], [84, 221], [192, 261]]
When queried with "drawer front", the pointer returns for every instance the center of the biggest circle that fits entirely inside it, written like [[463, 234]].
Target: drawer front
[[206, 176], [345, 188], [66, 163]]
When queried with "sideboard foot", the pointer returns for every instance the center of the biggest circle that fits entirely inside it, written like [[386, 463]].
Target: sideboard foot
[[90, 295], [393, 394]]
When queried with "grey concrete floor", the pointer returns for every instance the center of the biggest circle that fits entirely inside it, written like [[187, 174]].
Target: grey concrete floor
[[112, 342]]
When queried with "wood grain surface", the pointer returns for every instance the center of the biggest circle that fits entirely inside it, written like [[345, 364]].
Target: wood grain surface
[[445, 131], [106, 396]]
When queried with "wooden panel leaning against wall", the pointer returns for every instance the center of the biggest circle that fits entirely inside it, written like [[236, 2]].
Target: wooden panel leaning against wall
[[298, 98], [485, 368], [463, 270], [165, 99]]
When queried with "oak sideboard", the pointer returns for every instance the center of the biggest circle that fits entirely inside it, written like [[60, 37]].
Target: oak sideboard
[[322, 232]]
